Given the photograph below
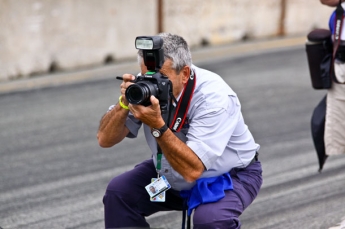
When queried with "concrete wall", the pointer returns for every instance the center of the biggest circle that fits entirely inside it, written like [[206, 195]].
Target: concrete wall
[[223, 21], [40, 36]]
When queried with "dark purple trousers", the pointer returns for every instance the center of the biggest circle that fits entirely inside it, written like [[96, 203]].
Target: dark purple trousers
[[126, 202]]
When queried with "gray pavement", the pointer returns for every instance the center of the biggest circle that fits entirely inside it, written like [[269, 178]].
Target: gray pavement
[[199, 55], [60, 195]]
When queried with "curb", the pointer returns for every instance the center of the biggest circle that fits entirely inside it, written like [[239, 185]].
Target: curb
[[199, 55]]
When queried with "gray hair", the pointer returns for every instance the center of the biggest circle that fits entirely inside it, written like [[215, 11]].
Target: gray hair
[[176, 49]]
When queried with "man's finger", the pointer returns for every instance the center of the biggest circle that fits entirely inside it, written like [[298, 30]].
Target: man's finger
[[128, 77], [154, 102]]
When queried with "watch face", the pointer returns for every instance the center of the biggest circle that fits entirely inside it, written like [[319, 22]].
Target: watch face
[[156, 133]]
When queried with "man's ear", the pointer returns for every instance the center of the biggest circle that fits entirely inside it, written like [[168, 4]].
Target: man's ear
[[185, 74]]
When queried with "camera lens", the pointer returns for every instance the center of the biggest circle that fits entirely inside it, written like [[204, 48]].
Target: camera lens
[[136, 93], [139, 93]]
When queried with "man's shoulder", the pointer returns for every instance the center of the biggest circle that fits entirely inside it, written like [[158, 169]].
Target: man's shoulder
[[206, 78], [211, 91], [203, 72], [210, 82]]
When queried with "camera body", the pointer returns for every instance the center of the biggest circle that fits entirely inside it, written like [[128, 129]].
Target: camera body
[[152, 82]]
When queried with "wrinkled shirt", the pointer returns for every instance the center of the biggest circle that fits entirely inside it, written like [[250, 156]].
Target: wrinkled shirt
[[217, 133]]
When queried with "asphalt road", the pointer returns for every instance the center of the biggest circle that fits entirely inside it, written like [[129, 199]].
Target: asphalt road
[[53, 173]]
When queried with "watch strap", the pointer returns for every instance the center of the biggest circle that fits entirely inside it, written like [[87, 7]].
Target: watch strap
[[161, 130]]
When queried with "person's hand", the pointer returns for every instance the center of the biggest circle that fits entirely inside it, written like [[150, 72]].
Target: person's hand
[[150, 115], [127, 80]]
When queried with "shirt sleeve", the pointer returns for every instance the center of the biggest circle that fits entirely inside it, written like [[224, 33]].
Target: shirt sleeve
[[212, 127], [133, 126]]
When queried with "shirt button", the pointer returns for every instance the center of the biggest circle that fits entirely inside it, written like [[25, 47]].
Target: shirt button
[[166, 170]]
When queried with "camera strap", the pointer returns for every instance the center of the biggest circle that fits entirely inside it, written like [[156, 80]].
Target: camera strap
[[180, 112], [339, 14], [183, 104]]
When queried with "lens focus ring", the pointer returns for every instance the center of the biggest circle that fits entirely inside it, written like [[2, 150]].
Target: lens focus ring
[[140, 93]]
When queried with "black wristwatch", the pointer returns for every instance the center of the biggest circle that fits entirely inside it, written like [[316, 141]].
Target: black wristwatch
[[159, 132]]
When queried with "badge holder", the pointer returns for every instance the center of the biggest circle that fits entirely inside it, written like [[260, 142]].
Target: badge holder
[[156, 189], [160, 197]]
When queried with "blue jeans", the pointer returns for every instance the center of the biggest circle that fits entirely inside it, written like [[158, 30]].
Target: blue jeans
[[126, 202]]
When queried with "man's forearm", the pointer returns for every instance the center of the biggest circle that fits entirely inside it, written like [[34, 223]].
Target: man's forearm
[[181, 157], [112, 127]]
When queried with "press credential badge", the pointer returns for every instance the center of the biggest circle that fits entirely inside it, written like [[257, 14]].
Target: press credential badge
[[160, 197], [157, 187]]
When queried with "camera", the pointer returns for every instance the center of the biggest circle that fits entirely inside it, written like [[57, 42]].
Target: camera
[[152, 82]]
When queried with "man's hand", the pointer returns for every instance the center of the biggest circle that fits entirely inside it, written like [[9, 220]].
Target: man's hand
[[150, 115], [127, 80]]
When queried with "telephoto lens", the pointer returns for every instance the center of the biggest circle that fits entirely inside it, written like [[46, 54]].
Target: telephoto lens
[[140, 93]]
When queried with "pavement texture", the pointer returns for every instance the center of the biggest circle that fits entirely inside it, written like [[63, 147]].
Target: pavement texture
[[208, 53]]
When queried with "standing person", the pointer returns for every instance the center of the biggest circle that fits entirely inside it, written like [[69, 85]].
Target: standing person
[[335, 108], [214, 165]]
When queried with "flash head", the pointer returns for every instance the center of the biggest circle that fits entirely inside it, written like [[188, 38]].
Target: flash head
[[151, 47], [148, 42]]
